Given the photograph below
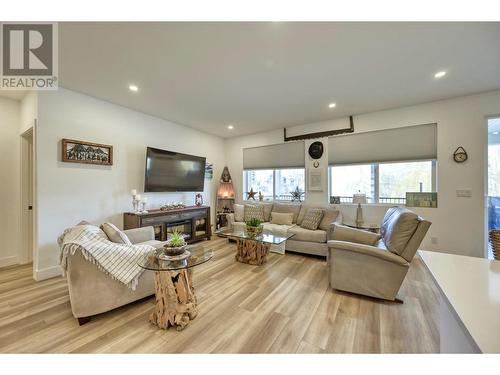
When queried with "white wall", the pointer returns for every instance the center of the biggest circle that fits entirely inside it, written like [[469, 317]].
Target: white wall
[[9, 181], [69, 193], [29, 111], [458, 223]]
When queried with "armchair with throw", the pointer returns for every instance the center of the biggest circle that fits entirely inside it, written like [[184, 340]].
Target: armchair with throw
[[372, 264]]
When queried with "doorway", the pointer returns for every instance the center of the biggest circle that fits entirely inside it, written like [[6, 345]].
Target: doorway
[[493, 187], [27, 196]]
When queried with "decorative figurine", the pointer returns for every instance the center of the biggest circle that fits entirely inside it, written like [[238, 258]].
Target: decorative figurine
[[261, 197], [251, 194], [297, 195], [198, 199]]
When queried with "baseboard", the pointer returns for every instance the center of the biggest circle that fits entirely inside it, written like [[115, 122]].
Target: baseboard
[[47, 273], [8, 261]]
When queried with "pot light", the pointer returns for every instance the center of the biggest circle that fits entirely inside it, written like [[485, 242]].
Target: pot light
[[230, 127], [133, 88], [332, 105], [440, 74]]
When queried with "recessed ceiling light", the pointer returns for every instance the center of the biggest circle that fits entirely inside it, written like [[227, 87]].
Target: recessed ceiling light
[[133, 88], [230, 127], [495, 133], [440, 74], [332, 105]]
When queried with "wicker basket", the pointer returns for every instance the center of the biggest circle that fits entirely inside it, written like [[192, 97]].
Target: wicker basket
[[495, 243]]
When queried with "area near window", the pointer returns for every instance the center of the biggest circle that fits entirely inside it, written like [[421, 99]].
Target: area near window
[[274, 184], [383, 182]]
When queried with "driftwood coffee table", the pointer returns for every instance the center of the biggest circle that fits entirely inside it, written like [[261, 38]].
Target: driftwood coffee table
[[253, 249], [176, 303]]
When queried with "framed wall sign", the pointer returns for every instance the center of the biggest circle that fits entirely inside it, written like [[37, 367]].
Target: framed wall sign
[[316, 180], [421, 199], [86, 152]]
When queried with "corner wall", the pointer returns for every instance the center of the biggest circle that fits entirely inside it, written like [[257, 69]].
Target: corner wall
[[10, 181], [458, 223], [70, 192]]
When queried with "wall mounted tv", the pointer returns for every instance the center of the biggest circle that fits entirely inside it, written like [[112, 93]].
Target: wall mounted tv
[[173, 171]]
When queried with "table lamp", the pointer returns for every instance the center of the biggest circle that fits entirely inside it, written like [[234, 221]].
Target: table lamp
[[359, 199]]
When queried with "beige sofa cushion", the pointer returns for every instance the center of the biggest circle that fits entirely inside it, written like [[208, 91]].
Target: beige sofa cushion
[[288, 208], [303, 211], [329, 216], [239, 212], [114, 234], [254, 211], [398, 227], [301, 234], [312, 219], [281, 218]]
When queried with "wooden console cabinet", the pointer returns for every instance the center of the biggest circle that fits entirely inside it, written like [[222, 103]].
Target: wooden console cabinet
[[193, 221]]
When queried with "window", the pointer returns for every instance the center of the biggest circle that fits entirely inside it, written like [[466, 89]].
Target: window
[[274, 184], [383, 182], [349, 179]]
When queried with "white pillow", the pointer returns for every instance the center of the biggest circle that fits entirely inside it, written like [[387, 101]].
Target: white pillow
[[239, 212], [114, 234], [281, 218]]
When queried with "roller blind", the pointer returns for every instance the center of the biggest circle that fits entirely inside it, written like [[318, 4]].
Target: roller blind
[[408, 143], [283, 155]]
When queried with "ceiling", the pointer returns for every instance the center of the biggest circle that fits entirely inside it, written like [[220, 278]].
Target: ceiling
[[261, 76]]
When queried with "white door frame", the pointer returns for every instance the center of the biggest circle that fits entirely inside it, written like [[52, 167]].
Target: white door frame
[[28, 240]]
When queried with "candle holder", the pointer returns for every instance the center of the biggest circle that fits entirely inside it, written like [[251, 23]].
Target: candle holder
[[134, 203], [143, 204]]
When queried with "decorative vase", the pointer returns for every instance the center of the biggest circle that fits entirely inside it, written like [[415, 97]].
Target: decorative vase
[[254, 231], [172, 251]]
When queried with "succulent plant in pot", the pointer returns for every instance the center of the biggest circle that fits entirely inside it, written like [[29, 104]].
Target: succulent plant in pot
[[254, 226], [176, 244]]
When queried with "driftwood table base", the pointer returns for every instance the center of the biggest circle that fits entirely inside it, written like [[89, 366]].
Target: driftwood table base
[[252, 252], [175, 299]]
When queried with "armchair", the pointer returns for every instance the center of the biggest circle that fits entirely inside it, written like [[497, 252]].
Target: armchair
[[372, 264]]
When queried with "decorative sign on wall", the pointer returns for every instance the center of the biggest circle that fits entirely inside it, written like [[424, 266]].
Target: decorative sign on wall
[[315, 180], [86, 152], [209, 171], [421, 200]]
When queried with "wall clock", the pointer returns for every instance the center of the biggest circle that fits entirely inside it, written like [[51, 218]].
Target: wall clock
[[460, 155], [316, 150]]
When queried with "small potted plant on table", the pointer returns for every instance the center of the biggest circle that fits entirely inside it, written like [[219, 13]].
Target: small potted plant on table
[[254, 227], [176, 245]]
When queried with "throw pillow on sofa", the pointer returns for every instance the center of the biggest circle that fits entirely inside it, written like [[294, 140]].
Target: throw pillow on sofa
[[330, 215], [312, 219], [239, 212], [114, 234], [281, 218], [254, 212]]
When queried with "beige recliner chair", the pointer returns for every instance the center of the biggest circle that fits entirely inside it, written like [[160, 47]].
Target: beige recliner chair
[[372, 264]]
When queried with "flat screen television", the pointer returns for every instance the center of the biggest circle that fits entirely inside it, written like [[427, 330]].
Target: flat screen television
[[173, 171]]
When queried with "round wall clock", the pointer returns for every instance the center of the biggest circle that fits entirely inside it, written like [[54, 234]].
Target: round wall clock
[[460, 155], [316, 150]]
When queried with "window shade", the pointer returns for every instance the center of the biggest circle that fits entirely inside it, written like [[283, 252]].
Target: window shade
[[408, 143], [283, 155]]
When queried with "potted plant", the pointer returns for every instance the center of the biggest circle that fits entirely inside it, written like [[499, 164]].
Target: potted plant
[[254, 226], [176, 244]]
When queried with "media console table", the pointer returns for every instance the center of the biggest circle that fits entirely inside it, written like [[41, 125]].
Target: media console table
[[192, 221]]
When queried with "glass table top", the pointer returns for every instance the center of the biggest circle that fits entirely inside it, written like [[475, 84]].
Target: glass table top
[[198, 255], [264, 237]]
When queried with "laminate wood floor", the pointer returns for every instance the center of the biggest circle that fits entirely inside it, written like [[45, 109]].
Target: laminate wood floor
[[285, 306]]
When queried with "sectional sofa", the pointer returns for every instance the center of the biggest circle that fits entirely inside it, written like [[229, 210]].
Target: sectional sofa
[[304, 240]]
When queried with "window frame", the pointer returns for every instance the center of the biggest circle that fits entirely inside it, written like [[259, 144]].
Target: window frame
[[375, 178], [246, 189]]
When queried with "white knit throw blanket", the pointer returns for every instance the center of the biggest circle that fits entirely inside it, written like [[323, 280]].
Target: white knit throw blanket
[[118, 261]]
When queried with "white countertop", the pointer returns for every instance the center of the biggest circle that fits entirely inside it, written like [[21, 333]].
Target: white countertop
[[472, 288]]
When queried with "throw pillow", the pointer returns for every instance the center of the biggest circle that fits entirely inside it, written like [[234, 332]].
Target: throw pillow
[[254, 212], [281, 218], [114, 234], [239, 212], [328, 218], [312, 219]]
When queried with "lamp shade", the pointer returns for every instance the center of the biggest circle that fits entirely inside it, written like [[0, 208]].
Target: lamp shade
[[359, 199]]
